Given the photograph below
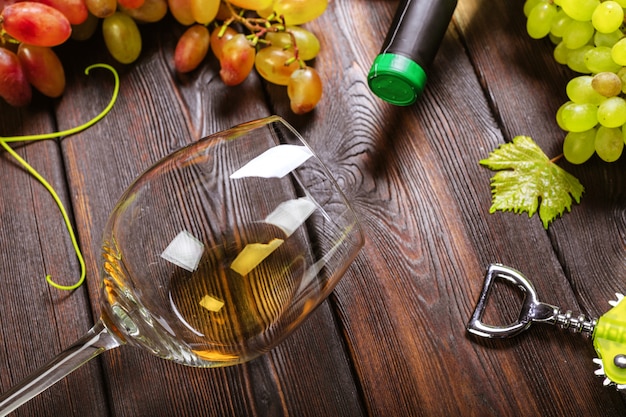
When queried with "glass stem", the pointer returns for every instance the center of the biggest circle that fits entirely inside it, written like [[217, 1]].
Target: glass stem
[[93, 343]]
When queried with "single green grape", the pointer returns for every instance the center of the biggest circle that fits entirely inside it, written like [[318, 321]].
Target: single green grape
[[122, 37], [618, 52], [530, 4], [607, 17], [578, 147], [576, 59], [598, 59], [561, 53], [577, 117], [609, 143], [580, 10], [577, 33], [580, 90], [559, 114], [559, 22], [607, 39], [612, 112], [622, 76], [539, 21], [554, 39]]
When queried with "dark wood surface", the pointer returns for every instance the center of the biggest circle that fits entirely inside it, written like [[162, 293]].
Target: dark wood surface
[[391, 339]]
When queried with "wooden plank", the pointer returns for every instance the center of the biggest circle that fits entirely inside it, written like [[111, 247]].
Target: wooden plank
[[39, 321], [593, 260], [393, 332], [413, 176], [586, 241], [156, 113]]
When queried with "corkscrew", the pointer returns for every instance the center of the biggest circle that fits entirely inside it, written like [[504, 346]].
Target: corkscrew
[[608, 332]]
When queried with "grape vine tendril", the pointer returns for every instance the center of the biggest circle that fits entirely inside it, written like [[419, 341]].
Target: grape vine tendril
[[4, 143], [82, 127]]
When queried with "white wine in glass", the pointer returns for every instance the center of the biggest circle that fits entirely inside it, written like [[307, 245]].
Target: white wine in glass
[[216, 253]]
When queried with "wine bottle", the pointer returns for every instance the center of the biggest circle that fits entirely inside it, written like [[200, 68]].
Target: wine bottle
[[398, 74]]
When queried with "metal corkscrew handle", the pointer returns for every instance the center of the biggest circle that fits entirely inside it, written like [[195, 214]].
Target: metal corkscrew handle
[[608, 332], [532, 309]]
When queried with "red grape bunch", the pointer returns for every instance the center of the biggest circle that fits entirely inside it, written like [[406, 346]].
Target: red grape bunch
[[242, 34], [28, 32]]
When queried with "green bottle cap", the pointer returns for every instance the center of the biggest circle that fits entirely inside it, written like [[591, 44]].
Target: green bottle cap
[[396, 79]]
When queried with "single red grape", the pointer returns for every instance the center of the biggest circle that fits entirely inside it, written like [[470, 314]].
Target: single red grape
[[191, 48], [304, 90], [237, 60], [36, 24], [14, 86], [43, 69]]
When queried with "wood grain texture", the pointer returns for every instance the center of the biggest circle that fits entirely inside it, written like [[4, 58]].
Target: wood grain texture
[[391, 339], [430, 239], [142, 128], [37, 320]]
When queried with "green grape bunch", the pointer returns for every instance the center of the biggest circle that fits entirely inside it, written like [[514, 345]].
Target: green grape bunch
[[589, 38], [269, 37]]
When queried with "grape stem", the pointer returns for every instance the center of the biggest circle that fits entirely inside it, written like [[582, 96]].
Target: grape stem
[[4, 144], [556, 158], [260, 26], [5, 37]]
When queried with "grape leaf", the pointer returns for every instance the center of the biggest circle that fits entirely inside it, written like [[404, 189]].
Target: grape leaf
[[527, 180]]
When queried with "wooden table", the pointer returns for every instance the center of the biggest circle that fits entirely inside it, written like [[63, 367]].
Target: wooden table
[[391, 340]]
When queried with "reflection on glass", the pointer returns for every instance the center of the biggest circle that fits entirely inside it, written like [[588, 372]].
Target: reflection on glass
[[185, 251], [215, 254], [275, 162]]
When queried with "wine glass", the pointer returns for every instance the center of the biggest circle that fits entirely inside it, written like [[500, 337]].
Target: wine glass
[[216, 253]]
